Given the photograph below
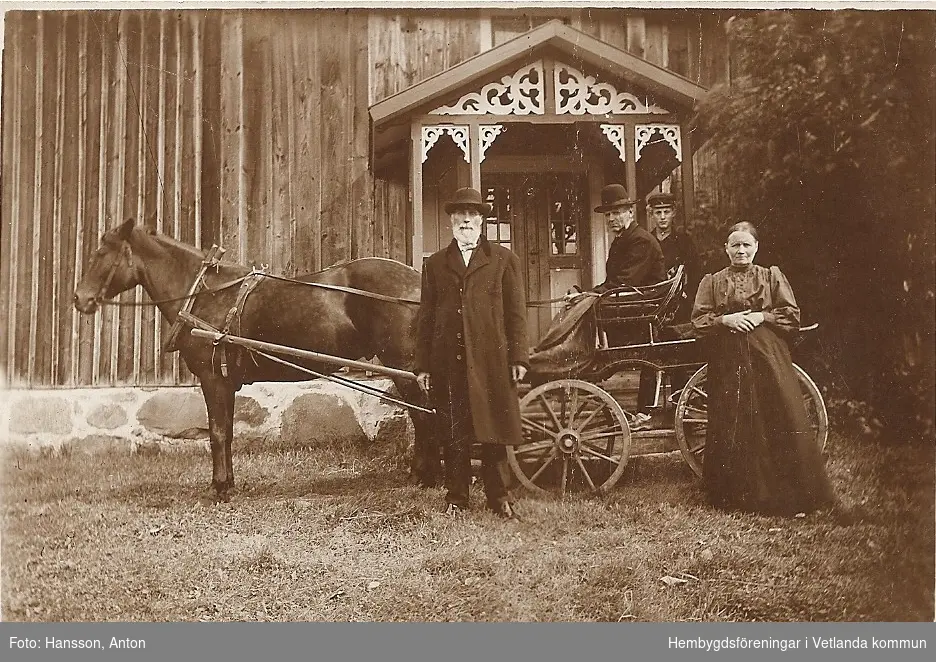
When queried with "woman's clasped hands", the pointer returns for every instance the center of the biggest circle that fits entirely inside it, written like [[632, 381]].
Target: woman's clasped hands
[[744, 321]]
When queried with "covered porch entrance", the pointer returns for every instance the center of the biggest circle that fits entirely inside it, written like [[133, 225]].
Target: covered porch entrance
[[539, 125]]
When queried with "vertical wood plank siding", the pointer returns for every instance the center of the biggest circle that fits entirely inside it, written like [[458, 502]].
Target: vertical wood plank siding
[[245, 128]]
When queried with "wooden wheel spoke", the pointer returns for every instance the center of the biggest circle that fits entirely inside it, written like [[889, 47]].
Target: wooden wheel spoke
[[617, 432], [590, 417], [581, 466], [549, 459], [697, 448], [539, 427], [533, 447], [601, 456], [696, 389], [695, 420], [697, 410], [545, 403]]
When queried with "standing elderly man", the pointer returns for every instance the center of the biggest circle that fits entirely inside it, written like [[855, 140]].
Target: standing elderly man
[[472, 351]]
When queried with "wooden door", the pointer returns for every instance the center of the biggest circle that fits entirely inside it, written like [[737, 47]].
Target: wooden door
[[543, 218]]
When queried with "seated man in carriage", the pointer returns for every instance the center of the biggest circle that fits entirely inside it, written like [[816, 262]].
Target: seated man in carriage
[[635, 259]]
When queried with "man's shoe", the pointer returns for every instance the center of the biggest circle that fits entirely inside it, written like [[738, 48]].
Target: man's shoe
[[452, 510], [640, 421]]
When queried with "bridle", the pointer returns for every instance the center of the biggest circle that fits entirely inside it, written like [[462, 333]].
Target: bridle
[[125, 250]]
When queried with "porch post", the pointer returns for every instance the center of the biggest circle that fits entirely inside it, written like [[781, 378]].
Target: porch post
[[474, 150], [688, 185], [416, 191], [631, 153]]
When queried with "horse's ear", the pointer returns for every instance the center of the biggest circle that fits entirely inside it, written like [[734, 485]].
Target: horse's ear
[[125, 228]]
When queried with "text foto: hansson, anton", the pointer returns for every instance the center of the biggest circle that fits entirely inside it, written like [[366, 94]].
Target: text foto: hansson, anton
[[54, 642]]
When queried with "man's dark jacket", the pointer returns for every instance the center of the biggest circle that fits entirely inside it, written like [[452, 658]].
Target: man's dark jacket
[[635, 258], [472, 320], [678, 248]]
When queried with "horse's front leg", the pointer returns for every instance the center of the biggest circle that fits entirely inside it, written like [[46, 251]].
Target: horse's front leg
[[219, 399]]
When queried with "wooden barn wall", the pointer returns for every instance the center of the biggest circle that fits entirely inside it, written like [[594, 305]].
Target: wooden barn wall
[[248, 129], [107, 116]]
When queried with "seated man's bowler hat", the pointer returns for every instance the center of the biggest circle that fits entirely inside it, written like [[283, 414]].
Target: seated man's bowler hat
[[613, 196], [467, 198]]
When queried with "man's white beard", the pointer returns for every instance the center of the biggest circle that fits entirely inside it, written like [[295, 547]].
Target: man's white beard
[[467, 235]]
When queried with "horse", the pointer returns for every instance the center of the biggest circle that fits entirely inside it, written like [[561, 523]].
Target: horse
[[336, 318]]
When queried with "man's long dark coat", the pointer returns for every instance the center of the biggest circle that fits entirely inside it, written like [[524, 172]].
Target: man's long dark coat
[[473, 319]]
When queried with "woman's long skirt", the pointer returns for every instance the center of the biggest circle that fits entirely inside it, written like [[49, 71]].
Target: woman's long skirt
[[761, 454]]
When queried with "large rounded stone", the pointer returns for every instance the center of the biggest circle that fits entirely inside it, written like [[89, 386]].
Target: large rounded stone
[[318, 418], [249, 411], [107, 417], [177, 415], [32, 415]]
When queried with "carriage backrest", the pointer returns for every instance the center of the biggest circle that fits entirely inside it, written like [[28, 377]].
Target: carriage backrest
[[658, 301]]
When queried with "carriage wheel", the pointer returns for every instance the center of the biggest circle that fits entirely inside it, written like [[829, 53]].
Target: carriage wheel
[[575, 439], [692, 416]]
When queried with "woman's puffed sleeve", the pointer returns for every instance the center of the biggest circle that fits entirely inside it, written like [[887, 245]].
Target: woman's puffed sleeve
[[704, 317], [783, 313]]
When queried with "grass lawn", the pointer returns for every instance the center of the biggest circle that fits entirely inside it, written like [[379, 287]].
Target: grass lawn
[[336, 534]]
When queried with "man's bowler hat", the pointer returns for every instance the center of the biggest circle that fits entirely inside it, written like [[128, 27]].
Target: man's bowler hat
[[613, 196], [465, 198]]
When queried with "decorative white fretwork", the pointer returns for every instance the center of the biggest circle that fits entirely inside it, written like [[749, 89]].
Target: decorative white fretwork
[[521, 93], [615, 133], [578, 94], [431, 135], [487, 134], [644, 133]]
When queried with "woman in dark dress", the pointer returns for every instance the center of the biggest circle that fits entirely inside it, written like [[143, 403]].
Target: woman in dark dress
[[760, 453]]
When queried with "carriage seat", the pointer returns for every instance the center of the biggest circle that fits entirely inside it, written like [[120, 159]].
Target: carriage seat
[[635, 314]]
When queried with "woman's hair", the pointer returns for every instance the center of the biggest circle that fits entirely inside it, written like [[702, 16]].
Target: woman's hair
[[744, 226]]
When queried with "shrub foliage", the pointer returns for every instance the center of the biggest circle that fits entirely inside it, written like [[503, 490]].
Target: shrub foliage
[[825, 136]]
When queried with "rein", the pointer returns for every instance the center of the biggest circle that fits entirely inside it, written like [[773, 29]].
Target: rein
[[126, 250]]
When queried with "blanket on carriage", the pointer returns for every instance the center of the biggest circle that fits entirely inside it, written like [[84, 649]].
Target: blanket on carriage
[[569, 344]]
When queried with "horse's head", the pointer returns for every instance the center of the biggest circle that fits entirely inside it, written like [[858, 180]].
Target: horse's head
[[110, 272]]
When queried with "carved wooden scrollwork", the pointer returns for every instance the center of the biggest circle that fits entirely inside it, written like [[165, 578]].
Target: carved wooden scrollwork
[[615, 134], [431, 135], [644, 134], [578, 94], [521, 93], [487, 133]]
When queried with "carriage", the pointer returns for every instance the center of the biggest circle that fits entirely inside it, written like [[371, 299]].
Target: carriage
[[579, 429]]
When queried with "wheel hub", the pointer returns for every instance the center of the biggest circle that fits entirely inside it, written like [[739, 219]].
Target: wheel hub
[[568, 441]]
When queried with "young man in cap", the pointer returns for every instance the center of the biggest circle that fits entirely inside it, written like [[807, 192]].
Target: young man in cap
[[677, 246], [472, 351]]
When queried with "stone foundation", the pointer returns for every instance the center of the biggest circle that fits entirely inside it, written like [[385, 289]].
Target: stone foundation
[[290, 414]]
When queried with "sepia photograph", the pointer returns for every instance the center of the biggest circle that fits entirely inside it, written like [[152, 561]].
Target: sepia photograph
[[467, 312]]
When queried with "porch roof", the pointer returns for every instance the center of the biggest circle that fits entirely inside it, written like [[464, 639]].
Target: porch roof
[[579, 46]]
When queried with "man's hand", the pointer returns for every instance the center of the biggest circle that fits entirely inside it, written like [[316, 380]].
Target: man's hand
[[517, 372], [423, 380]]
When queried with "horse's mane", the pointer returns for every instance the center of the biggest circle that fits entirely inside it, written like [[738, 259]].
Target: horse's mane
[[194, 250]]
